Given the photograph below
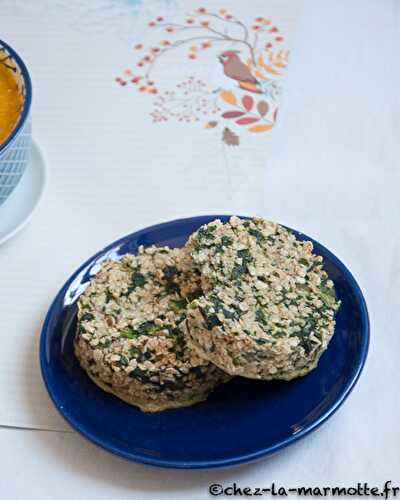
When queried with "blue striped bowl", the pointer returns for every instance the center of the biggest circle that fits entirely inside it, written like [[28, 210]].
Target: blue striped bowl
[[15, 151]]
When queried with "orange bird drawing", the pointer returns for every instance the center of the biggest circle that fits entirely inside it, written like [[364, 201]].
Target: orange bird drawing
[[236, 69]]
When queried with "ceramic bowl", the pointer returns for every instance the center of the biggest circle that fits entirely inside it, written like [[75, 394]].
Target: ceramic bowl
[[15, 150]]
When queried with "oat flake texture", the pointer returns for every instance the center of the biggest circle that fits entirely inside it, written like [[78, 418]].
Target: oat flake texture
[[130, 338], [268, 306]]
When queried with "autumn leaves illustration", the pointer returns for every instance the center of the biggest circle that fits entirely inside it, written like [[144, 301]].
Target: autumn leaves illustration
[[252, 61], [247, 113]]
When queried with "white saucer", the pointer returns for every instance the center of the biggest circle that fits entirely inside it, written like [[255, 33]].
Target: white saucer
[[18, 209]]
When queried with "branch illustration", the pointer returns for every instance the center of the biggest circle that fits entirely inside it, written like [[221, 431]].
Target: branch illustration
[[175, 45], [231, 19], [190, 101], [215, 35], [199, 26]]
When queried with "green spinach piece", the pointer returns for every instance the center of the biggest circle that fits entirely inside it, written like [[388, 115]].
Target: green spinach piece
[[138, 280], [87, 317]]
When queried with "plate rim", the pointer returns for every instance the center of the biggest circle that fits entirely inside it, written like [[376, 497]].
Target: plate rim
[[219, 463]]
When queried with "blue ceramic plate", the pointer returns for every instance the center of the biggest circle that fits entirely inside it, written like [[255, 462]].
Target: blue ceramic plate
[[242, 420]]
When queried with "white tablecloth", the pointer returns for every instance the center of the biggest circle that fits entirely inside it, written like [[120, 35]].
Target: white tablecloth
[[331, 170]]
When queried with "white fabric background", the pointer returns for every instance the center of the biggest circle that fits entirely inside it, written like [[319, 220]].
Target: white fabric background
[[112, 170], [331, 170]]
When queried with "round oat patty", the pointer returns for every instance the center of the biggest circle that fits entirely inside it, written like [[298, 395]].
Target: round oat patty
[[130, 338], [268, 309]]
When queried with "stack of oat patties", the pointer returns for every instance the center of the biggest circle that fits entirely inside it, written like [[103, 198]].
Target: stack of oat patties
[[163, 328]]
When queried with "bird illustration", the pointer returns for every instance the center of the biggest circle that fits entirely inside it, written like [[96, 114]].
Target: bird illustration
[[237, 70]]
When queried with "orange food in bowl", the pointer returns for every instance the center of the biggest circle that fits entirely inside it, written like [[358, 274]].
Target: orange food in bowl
[[10, 102]]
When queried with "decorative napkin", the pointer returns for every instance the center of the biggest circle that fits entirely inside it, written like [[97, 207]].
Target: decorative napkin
[[149, 111]]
